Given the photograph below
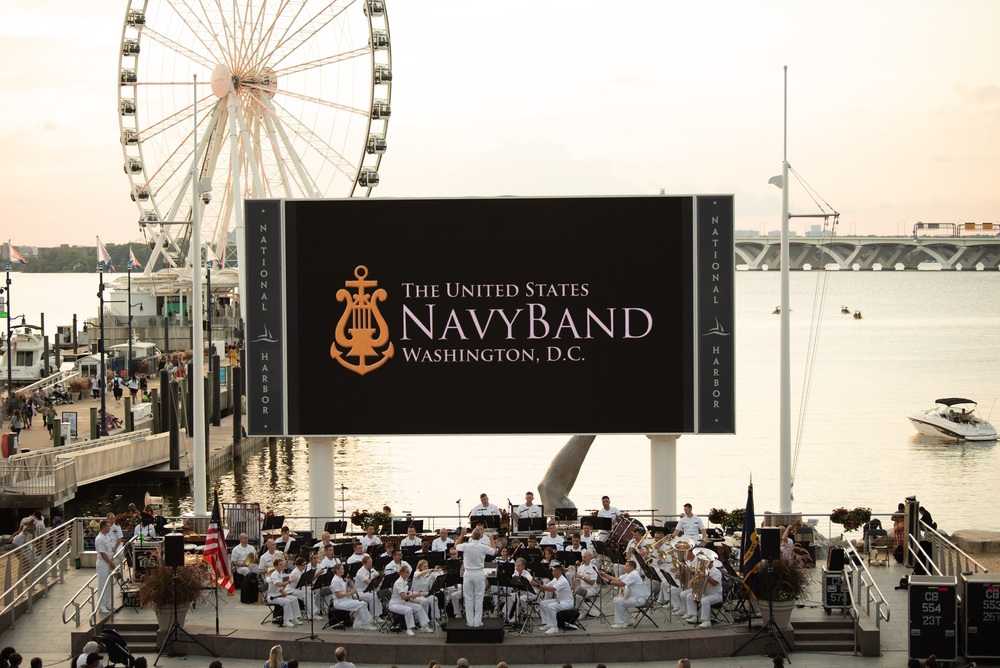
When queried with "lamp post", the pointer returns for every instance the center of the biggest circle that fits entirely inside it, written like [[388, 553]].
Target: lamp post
[[103, 427], [208, 306], [128, 365]]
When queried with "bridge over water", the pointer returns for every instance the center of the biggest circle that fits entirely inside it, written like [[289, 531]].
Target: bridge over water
[[868, 253]]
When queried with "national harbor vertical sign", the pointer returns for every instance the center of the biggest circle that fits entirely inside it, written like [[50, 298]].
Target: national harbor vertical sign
[[265, 319], [715, 311]]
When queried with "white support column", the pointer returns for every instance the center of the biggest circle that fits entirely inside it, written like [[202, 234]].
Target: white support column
[[663, 475], [322, 502]]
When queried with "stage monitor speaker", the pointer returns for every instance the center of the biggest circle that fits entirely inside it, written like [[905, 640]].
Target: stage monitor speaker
[[173, 549], [835, 559], [770, 539]]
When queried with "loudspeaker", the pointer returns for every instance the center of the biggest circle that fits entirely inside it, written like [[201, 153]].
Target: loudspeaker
[[770, 538], [835, 559], [173, 549]]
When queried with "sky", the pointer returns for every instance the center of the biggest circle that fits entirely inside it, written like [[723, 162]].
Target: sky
[[894, 108]]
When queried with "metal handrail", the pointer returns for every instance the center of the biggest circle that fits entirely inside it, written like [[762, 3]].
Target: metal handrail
[[40, 547], [90, 586], [24, 588], [867, 582], [957, 561], [27, 458], [49, 381], [928, 561]]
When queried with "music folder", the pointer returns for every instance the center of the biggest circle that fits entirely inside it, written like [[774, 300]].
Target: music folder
[[272, 522], [352, 569], [488, 521], [522, 584], [531, 524], [600, 523], [306, 580], [569, 557], [323, 580]]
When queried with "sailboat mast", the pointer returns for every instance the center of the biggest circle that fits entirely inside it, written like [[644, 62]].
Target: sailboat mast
[[785, 491]]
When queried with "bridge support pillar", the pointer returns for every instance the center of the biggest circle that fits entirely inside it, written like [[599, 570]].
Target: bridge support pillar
[[322, 500], [663, 475]]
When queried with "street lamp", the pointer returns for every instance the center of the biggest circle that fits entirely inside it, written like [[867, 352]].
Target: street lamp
[[208, 289], [102, 429], [128, 367]]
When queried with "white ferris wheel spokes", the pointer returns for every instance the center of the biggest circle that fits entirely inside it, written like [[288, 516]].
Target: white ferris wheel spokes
[[293, 100]]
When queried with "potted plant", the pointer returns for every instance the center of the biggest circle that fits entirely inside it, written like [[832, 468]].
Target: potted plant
[[157, 591], [731, 521], [79, 385], [779, 584], [853, 519]]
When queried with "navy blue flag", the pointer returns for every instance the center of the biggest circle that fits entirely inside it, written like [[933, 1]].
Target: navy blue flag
[[749, 547]]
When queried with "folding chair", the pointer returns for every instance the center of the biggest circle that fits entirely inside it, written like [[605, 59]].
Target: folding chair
[[389, 622], [644, 610], [593, 603], [275, 611]]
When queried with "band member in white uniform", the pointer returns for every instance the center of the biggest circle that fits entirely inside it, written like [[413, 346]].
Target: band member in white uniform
[[277, 583], [401, 603], [105, 564], [329, 559], [285, 540], [518, 594], [442, 542], [411, 539], [474, 581], [364, 578], [638, 551], [712, 595], [423, 580], [266, 559], [394, 566], [370, 539], [686, 566], [636, 594], [552, 537], [484, 507], [691, 526], [293, 588], [563, 600], [238, 559], [528, 508], [575, 545], [343, 599], [587, 580], [607, 510], [359, 551], [324, 540], [587, 539]]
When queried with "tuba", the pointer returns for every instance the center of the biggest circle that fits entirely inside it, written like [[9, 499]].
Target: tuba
[[679, 549], [703, 561]]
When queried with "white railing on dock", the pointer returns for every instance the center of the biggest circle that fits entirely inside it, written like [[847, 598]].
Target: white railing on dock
[[948, 558], [49, 382], [29, 570], [867, 590]]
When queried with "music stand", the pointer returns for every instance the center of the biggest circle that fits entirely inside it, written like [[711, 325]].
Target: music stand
[[306, 582], [568, 557], [669, 527], [489, 521], [531, 524], [600, 523], [541, 571], [352, 569], [567, 515], [376, 550], [272, 522], [337, 526], [435, 558], [531, 555], [380, 562], [343, 551], [401, 526], [522, 584]]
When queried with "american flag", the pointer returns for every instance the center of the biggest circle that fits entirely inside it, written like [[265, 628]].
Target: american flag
[[216, 553]]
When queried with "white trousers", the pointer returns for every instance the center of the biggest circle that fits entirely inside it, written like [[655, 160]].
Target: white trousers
[[360, 609], [103, 571], [410, 610], [473, 589], [549, 608], [622, 615], [289, 606], [707, 601]]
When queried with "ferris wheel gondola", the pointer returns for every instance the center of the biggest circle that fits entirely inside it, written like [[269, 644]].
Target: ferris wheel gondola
[[293, 100]]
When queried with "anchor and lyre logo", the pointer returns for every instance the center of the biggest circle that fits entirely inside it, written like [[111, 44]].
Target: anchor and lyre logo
[[362, 331]]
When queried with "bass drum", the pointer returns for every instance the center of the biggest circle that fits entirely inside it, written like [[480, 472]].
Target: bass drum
[[621, 534]]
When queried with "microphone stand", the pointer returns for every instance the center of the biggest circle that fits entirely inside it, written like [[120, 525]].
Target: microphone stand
[[459, 502]]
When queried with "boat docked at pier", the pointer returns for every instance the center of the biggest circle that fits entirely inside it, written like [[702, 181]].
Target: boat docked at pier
[[28, 356], [955, 418]]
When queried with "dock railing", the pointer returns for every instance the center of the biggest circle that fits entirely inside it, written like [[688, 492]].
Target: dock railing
[[865, 590], [90, 595], [946, 557], [29, 570]]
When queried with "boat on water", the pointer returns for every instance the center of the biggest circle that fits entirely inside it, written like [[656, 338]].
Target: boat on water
[[28, 358], [954, 418]]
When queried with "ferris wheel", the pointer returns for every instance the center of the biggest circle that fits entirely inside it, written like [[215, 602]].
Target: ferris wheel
[[292, 100]]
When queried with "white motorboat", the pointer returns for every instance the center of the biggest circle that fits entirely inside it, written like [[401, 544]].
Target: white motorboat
[[956, 418], [28, 360]]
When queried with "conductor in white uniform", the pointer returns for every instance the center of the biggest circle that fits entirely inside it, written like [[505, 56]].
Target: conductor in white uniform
[[474, 581]]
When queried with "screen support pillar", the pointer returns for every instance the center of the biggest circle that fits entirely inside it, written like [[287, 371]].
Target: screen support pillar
[[663, 475], [322, 502]]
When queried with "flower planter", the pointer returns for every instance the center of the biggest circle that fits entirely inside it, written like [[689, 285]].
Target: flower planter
[[164, 617], [782, 612]]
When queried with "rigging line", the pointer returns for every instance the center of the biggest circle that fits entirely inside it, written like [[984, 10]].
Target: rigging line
[[811, 189], [815, 329]]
